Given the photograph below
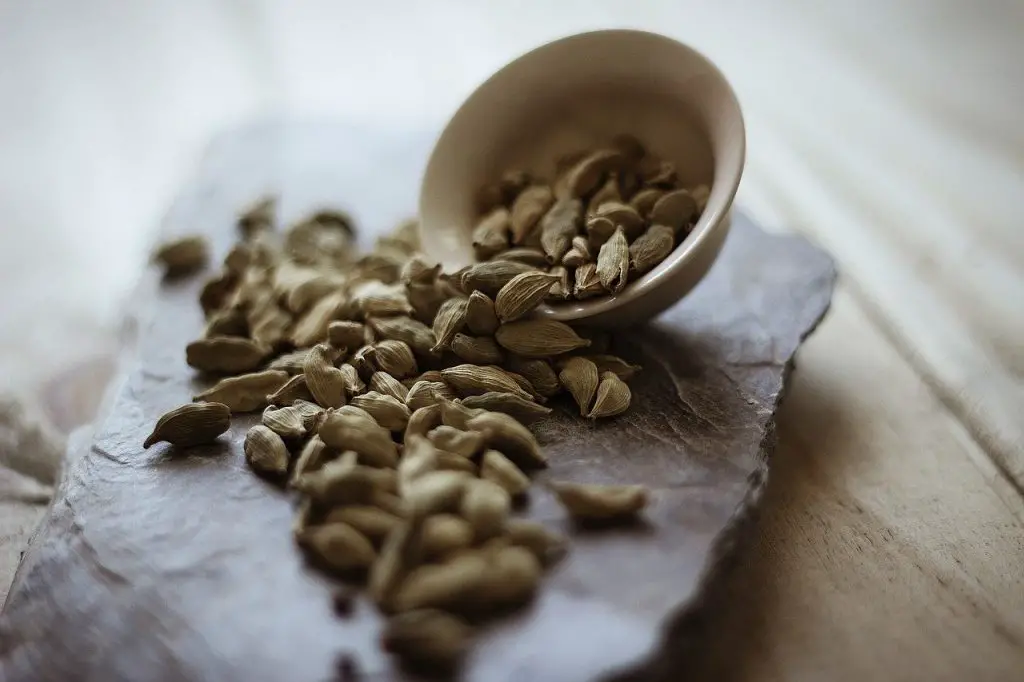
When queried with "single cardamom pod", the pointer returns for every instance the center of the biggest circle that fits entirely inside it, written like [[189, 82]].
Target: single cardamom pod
[[588, 283], [451, 439], [444, 534], [384, 383], [451, 586], [490, 236], [578, 254], [450, 320], [284, 421], [354, 384], [435, 492], [353, 412], [587, 174], [301, 297], [613, 262], [499, 469], [455, 414], [558, 226], [522, 294], [371, 441], [338, 482], [622, 215], [591, 502], [227, 322], [345, 334], [539, 338], [419, 457], [400, 554], [505, 434], [512, 579], [475, 379], [609, 191], [364, 360], [312, 456], [449, 461], [426, 300], [651, 248], [580, 377], [491, 276], [290, 362], [325, 381], [311, 414], [613, 396], [372, 522], [413, 333], [675, 209], [548, 546], [374, 298], [423, 420], [528, 255], [245, 393], [429, 375], [479, 350], [417, 270], [526, 386], [427, 639], [192, 424], [562, 288], [182, 256], [486, 506], [599, 230], [480, 316], [527, 209], [293, 389], [338, 547], [386, 410], [644, 200], [631, 148], [312, 326], [265, 452], [269, 324], [424, 393], [395, 358], [538, 372], [524, 410]]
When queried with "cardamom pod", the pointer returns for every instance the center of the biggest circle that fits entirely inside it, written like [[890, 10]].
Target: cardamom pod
[[444, 534], [480, 316], [301, 297], [588, 283], [386, 410], [371, 441], [491, 276], [312, 326], [424, 393], [651, 248], [562, 288], [354, 384], [372, 522], [622, 215], [452, 586], [455, 414], [479, 350], [486, 506], [526, 386], [312, 456], [505, 434], [293, 389], [426, 299], [364, 360], [490, 236], [400, 554], [580, 377], [192, 424], [325, 381], [592, 502], [585, 177], [578, 254], [475, 379], [418, 271], [245, 393], [265, 452], [374, 298], [522, 294], [311, 414], [346, 334], [338, 547], [613, 397], [599, 230], [284, 421], [183, 255], [435, 492], [422, 420], [384, 383], [395, 358], [644, 200], [674, 209], [538, 372], [451, 318], [511, 580], [527, 209], [613, 262], [539, 338], [339, 482], [548, 546], [290, 362], [558, 226], [451, 439], [420, 457], [227, 322], [662, 174], [528, 255], [428, 639], [609, 191], [522, 409], [449, 461], [413, 333], [499, 469]]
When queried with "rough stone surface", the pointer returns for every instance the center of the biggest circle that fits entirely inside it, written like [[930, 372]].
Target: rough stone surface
[[156, 565]]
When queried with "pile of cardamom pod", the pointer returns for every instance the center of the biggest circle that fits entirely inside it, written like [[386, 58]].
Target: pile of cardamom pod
[[395, 403]]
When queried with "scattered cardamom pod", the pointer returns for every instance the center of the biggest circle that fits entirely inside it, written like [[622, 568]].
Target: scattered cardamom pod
[[578, 254], [312, 456], [522, 294], [290, 362], [480, 316], [580, 377], [528, 255], [499, 469], [491, 276], [444, 534], [372, 522], [371, 441], [539, 338], [562, 288], [227, 322], [245, 393], [265, 452], [400, 553], [182, 256], [413, 333], [310, 413], [599, 230], [420, 457], [511, 580], [384, 383], [346, 334], [607, 192], [449, 461], [546, 545], [293, 389], [418, 271], [422, 420], [486, 506], [325, 381], [523, 410], [284, 421], [373, 298], [386, 410], [456, 415], [428, 639], [192, 424], [312, 326], [558, 226], [527, 209], [538, 372], [674, 209], [479, 350], [339, 482], [364, 361], [354, 384], [613, 262], [587, 174], [452, 586], [622, 215], [338, 546], [505, 434], [395, 358], [588, 284], [613, 397], [424, 393], [451, 439], [591, 502], [644, 200], [435, 492], [451, 318], [651, 248], [491, 234], [475, 379]]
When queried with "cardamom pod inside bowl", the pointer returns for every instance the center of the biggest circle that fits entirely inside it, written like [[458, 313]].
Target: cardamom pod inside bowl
[[573, 158]]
